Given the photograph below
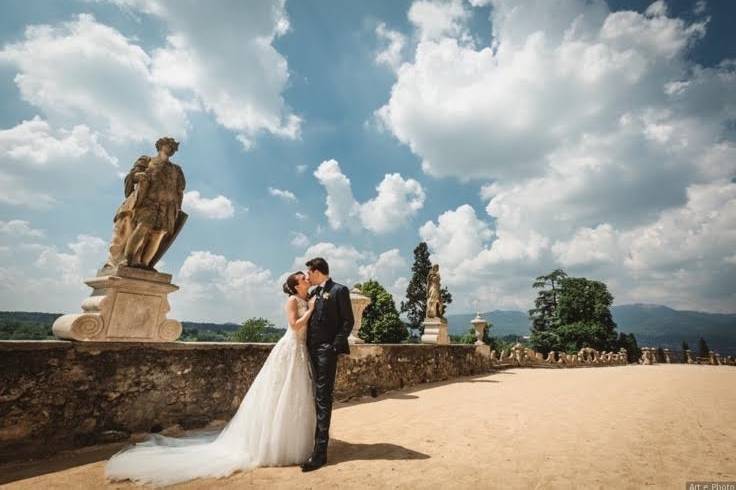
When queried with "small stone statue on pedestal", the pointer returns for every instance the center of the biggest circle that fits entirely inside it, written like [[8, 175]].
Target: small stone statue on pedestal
[[435, 324], [129, 297]]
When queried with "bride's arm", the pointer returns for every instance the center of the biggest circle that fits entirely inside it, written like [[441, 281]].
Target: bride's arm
[[295, 322]]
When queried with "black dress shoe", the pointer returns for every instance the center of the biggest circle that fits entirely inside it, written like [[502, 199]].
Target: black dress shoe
[[314, 462]]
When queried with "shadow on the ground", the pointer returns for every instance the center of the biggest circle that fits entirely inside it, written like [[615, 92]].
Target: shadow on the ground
[[60, 462], [342, 451]]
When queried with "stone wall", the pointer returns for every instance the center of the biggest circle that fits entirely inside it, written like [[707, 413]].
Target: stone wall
[[57, 395]]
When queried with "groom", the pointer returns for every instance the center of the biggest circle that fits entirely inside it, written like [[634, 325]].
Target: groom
[[329, 327]]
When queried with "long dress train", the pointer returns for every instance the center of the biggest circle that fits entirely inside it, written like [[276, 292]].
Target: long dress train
[[274, 426]]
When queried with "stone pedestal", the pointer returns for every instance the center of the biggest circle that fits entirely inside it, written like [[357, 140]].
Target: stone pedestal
[[126, 304], [358, 303], [435, 331]]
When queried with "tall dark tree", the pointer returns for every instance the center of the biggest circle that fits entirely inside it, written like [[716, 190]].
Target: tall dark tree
[[581, 300], [381, 323], [685, 347], [415, 305], [544, 313], [703, 348]]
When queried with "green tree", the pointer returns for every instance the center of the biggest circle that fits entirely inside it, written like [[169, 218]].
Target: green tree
[[252, 330], [703, 348], [415, 305], [571, 313], [544, 313], [381, 322]]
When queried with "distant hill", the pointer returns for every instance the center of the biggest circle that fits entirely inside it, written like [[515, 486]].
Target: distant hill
[[653, 325]]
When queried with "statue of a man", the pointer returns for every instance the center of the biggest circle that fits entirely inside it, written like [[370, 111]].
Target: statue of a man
[[150, 217], [435, 306]]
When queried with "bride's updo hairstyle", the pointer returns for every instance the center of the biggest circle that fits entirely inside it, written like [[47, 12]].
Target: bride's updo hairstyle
[[289, 286]]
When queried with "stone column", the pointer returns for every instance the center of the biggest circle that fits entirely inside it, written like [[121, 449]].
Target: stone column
[[689, 357], [711, 358], [667, 356], [359, 304]]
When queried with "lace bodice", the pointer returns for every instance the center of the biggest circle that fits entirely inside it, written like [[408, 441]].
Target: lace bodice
[[301, 308]]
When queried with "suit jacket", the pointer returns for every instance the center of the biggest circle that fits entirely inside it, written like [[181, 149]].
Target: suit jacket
[[332, 320]]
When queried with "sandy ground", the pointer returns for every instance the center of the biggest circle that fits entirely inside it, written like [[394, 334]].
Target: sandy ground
[[613, 427]]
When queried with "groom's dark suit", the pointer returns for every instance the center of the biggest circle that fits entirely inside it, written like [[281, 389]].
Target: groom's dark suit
[[329, 328]]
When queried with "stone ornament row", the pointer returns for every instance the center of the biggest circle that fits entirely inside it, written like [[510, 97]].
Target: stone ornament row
[[525, 356], [649, 357]]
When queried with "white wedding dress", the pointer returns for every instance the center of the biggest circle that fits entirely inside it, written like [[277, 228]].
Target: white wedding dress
[[274, 426]]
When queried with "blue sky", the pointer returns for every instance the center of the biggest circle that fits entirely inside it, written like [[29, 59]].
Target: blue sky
[[513, 137]]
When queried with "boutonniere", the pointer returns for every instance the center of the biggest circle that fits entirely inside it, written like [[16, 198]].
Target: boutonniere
[[326, 296]]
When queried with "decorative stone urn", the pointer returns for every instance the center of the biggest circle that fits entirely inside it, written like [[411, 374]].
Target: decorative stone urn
[[359, 303], [479, 325]]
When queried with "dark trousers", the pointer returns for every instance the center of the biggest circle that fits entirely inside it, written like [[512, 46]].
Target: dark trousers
[[324, 365]]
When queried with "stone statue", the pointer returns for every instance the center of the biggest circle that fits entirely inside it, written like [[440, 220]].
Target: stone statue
[[435, 307], [150, 217], [129, 300]]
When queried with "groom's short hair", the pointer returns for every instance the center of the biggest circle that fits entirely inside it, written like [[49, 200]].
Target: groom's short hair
[[319, 264]]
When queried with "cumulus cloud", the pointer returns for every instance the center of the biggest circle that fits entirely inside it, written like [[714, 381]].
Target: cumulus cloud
[[595, 133], [219, 207], [89, 73], [19, 228], [282, 194], [42, 164], [349, 266], [232, 71], [394, 42], [397, 200], [299, 240], [215, 288], [434, 19], [59, 272]]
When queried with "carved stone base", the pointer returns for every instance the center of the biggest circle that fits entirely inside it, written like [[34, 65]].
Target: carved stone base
[[435, 331], [126, 304]]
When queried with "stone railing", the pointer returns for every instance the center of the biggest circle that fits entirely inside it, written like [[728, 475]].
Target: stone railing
[[57, 395], [586, 357]]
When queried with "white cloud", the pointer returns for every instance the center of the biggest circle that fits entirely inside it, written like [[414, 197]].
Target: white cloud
[[41, 164], [457, 236], [233, 70], [397, 201], [394, 42], [282, 194], [19, 228], [28, 268], [216, 289], [437, 18], [299, 240], [89, 73], [300, 216], [596, 134], [389, 269], [300, 169], [219, 207]]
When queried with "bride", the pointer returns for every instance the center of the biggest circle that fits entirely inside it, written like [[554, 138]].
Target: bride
[[274, 425]]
